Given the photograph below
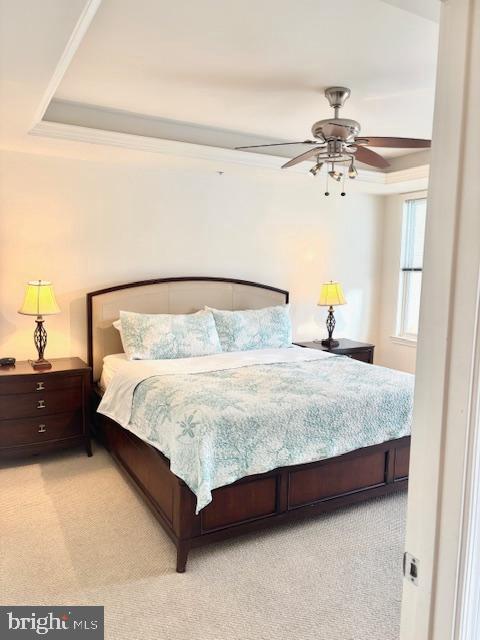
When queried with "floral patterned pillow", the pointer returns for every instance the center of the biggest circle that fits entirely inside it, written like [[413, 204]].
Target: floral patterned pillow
[[168, 336], [254, 328]]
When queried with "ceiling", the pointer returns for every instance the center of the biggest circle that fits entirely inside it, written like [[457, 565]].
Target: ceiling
[[256, 68], [195, 73]]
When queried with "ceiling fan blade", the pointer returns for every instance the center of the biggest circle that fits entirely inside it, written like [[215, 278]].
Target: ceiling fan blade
[[397, 143], [303, 156], [367, 156], [275, 144]]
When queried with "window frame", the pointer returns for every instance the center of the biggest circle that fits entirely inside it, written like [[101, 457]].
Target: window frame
[[401, 336]]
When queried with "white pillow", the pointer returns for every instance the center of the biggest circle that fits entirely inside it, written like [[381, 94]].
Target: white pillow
[[167, 336]]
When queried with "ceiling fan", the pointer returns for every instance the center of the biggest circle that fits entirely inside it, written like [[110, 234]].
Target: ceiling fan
[[338, 143]]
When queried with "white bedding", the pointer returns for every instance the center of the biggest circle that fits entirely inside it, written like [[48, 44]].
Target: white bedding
[[111, 364], [120, 376], [226, 416]]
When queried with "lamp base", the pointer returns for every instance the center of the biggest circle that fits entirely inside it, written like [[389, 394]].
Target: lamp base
[[40, 340], [40, 365], [330, 343]]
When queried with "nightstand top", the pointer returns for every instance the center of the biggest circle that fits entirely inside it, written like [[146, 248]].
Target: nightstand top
[[344, 346], [24, 368]]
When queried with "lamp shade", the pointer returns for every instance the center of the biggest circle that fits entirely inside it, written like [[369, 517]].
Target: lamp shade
[[331, 294], [39, 299]]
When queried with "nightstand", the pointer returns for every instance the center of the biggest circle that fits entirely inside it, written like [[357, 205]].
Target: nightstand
[[42, 411], [357, 350]]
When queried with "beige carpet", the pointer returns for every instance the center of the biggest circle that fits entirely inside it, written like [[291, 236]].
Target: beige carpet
[[73, 531]]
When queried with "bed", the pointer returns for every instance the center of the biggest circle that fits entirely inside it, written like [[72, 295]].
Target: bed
[[239, 500]]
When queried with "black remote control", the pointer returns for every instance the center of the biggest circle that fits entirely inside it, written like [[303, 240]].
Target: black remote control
[[7, 362]]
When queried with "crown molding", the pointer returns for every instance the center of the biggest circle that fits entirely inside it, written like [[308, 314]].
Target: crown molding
[[406, 175], [393, 182], [152, 145], [76, 37], [173, 147]]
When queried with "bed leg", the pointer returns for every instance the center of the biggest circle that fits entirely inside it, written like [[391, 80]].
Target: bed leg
[[88, 446], [182, 555]]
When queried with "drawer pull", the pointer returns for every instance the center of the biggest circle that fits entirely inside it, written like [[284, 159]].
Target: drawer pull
[[40, 386], [42, 428], [41, 404]]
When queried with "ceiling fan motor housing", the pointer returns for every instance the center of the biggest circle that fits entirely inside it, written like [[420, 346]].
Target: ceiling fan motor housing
[[340, 128], [336, 128]]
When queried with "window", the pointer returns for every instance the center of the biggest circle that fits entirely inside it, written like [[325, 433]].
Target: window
[[411, 265]]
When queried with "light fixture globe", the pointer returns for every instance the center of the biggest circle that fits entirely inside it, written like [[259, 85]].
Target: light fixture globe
[[352, 171], [316, 168], [335, 175]]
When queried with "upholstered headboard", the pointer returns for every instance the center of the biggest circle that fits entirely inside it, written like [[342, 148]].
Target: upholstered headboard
[[167, 295]]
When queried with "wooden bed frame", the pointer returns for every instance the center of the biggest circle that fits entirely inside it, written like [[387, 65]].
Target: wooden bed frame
[[255, 501]]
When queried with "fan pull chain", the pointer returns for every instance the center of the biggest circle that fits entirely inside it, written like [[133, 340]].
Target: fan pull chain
[[343, 184], [327, 193]]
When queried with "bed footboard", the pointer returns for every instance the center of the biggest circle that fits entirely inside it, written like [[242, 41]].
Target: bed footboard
[[255, 501]]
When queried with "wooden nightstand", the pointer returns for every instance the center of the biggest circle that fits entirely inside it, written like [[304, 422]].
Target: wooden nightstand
[[357, 350], [41, 411]]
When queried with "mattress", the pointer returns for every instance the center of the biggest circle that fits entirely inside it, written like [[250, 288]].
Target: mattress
[[224, 417]]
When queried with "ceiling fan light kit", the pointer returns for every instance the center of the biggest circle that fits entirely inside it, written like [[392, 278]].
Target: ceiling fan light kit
[[352, 172], [336, 175], [316, 168], [338, 143]]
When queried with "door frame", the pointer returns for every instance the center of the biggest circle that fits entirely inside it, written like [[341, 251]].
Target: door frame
[[443, 520]]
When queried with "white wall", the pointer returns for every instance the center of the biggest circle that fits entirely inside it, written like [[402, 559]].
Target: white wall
[[88, 224], [389, 352]]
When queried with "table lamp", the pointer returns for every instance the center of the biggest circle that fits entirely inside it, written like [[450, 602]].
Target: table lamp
[[39, 301], [331, 293]]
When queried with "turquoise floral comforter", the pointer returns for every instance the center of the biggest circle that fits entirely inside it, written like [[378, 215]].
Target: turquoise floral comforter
[[218, 426]]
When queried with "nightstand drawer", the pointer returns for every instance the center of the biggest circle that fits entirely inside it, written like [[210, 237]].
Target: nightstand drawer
[[363, 356], [38, 384], [38, 404], [34, 430]]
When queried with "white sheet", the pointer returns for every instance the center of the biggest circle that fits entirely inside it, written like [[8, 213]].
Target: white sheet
[[117, 400], [111, 364]]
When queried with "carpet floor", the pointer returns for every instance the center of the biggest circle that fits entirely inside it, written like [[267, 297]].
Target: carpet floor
[[74, 531]]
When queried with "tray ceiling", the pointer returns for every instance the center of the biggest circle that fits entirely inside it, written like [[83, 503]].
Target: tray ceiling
[[256, 68]]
